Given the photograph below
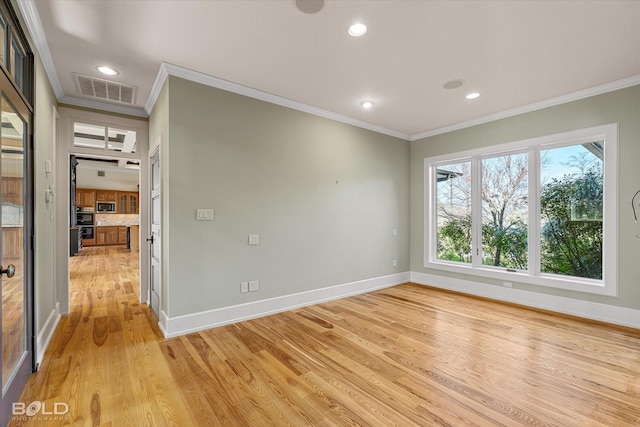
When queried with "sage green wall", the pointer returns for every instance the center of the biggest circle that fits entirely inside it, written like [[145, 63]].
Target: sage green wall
[[44, 138], [622, 106], [323, 196]]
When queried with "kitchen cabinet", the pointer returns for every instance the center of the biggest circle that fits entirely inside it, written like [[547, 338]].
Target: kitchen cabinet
[[128, 202], [110, 235], [12, 190], [12, 242], [106, 196], [135, 238], [106, 235], [86, 198], [122, 235]]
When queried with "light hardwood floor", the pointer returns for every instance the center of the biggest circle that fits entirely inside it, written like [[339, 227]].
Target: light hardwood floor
[[407, 355]]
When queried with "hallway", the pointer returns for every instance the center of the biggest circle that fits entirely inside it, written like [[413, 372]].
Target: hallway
[[106, 353]]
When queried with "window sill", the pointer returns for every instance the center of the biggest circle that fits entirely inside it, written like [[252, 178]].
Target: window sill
[[590, 286]]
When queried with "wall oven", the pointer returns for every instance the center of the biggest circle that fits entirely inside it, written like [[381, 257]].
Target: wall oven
[[87, 231], [84, 218]]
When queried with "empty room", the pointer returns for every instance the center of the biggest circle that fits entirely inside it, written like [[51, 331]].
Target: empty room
[[320, 212]]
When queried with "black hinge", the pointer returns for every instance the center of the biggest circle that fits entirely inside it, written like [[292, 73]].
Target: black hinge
[[31, 142]]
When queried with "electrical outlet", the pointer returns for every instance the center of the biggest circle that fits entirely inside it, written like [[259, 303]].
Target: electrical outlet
[[507, 284], [254, 285], [394, 263], [394, 232], [244, 287]]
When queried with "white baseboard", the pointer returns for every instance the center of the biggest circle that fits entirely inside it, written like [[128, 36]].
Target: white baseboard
[[180, 325], [45, 335], [586, 309]]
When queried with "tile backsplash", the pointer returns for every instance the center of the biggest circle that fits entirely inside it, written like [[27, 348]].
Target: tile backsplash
[[117, 219]]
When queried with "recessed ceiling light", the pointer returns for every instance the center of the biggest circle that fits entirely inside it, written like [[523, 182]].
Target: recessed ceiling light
[[105, 69], [356, 30], [473, 95], [453, 84], [366, 104]]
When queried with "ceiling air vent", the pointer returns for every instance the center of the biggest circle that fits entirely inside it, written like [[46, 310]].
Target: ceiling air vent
[[105, 90], [101, 173]]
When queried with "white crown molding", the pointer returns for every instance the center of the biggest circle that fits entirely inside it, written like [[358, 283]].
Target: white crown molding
[[181, 325], [34, 25], [103, 106], [167, 69], [586, 309], [563, 99], [161, 77]]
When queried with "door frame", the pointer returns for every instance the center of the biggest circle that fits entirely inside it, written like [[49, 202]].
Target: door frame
[[156, 151], [64, 149]]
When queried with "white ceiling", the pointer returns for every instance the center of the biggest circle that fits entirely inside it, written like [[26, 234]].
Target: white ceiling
[[514, 53]]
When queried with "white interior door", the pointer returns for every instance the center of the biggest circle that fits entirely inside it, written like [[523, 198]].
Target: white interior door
[[155, 238]]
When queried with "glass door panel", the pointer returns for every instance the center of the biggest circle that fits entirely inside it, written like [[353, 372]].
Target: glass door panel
[[12, 167]]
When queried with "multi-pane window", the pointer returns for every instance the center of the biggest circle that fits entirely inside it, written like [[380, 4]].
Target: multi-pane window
[[543, 210], [100, 137]]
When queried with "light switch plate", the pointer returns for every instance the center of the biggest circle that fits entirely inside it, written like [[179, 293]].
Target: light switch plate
[[254, 239], [244, 287], [204, 215]]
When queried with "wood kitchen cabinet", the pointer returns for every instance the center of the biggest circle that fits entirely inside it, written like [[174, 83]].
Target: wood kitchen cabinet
[[106, 196], [106, 235], [128, 202], [12, 242], [12, 190], [122, 235], [86, 198], [110, 235]]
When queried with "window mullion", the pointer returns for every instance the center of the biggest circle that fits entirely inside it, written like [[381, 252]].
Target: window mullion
[[476, 211], [533, 233]]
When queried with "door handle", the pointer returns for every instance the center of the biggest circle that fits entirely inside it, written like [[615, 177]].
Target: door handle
[[150, 239], [10, 271]]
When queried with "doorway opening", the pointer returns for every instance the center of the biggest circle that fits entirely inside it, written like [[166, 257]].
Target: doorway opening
[[104, 261]]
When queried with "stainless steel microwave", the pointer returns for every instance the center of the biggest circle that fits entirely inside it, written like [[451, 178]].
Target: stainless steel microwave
[[106, 207]]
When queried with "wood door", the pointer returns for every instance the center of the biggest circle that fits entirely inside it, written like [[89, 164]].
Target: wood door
[[155, 237], [15, 259]]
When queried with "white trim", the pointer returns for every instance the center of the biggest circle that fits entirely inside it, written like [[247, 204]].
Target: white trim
[[589, 310], [563, 99], [34, 25], [207, 80], [154, 93], [180, 325], [45, 335]]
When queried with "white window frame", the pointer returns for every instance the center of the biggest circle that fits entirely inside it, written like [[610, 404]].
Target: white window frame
[[608, 285]]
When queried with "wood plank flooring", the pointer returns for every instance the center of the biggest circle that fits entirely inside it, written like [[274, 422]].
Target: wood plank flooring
[[406, 356]]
